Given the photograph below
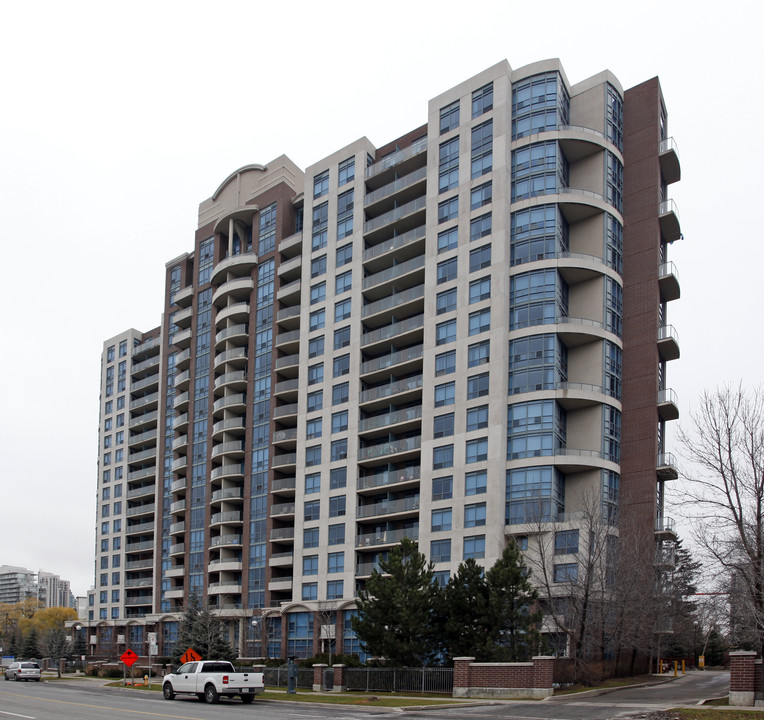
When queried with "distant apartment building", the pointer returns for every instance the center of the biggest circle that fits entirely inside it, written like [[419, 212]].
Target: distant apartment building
[[455, 337], [18, 584]]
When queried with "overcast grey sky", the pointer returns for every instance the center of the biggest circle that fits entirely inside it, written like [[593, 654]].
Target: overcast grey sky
[[119, 119]]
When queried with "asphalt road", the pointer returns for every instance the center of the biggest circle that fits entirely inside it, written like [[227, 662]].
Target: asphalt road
[[87, 700]]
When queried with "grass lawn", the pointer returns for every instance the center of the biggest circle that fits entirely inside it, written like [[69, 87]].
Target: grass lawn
[[713, 714]]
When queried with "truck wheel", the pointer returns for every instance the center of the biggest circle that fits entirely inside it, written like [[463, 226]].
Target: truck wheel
[[211, 695], [247, 699], [168, 692]]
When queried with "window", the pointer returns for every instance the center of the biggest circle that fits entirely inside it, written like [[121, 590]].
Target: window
[[614, 117], [535, 429], [449, 117], [611, 433], [448, 209], [121, 420], [480, 226], [317, 319], [477, 417], [537, 298], [339, 449], [121, 402], [482, 149], [313, 455], [345, 205], [443, 426], [312, 483], [318, 266], [479, 353], [320, 224], [118, 455], [537, 362], [443, 488], [334, 589], [337, 506], [445, 394], [477, 450], [480, 289], [115, 578], [315, 373], [440, 551], [482, 100], [565, 572], [341, 337], [538, 233], [344, 282], [538, 169], [442, 457], [445, 332], [474, 515], [108, 407], [539, 103], [337, 534], [445, 363], [477, 386], [321, 184], [310, 565], [474, 547], [344, 254], [315, 400], [310, 591], [338, 478], [335, 562], [341, 365], [317, 293], [441, 520], [534, 494], [612, 369], [310, 537], [107, 441], [117, 508], [481, 195], [445, 301], [613, 181], [448, 239], [480, 321], [447, 270], [312, 510], [342, 310], [613, 306], [566, 542], [316, 346], [613, 243], [475, 482], [448, 172], [340, 421], [480, 258], [340, 393], [110, 354], [346, 172], [522, 542]]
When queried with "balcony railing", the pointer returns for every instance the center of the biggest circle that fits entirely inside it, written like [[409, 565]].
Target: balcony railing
[[393, 388], [388, 507], [386, 537], [389, 448], [399, 241], [395, 158], [389, 477], [392, 418]]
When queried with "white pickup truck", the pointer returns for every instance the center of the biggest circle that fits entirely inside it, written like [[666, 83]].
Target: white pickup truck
[[210, 680]]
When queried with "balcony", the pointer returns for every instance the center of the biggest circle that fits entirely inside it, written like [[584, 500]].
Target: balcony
[[404, 160], [388, 478], [141, 492], [666, 467], [409, 215], [410, 356], [394, 303], [282, 559], [379, 395], [177, 549], [405, 506], [668, 218], [230, 517], [282, 412], [183, 360], [400, 420], [147, 402], [406, 446], [664, 529], [184, 296], [668, 281], [233, 449], [224, 565], [149, 436], [291, 246], [182, 339], [668, 342], [403, 189], [280, 584], [234, 265], [180, 464], [234, 426], [405, 331], [182, 379], [152, 381], [287, 387], [288, 437], [228, 587], [290, 269], [237, 402], [178, 527], [668, 156], [180, 422], [182, 318], [284, 460], [239, 289], [180, 402], [284, 485], [403, 247], [236, 357], [238, 312], [178, 506], [178, 486], [138, 510], [148, 472], [290, 292], [289, 362], [282, 509], [289, 317], [288, 341], [230, 471], [225, 541], [668, 405], [386, 537], [231, 493], [394, 274], [236, 334], [135, 458], [150, 364], [235, 380], [285, 534]]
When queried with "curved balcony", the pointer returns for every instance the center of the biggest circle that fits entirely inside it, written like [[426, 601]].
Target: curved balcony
[[288, 341], [231, 494], [178, 486], [178, 528], [228, 471], [666, 467], [225, 518], [234, 380], [225, 541], [183, 360], [180, 402], [182, 339], [178, 506], [290, 293], [184, 296], [236, 402], [226, 587], [664, 529], [668, 156], [180, 422], [234, 426], [289, 318], [182, 380], [234, 266], [668, 342], [235, 334], [668, 218], [236, 358], [224, 565], [180, 464], [668, 405], [238, 290], [182, 318], [237, 312], [574, 460], [668, 281], [232, 450], [575, 204]]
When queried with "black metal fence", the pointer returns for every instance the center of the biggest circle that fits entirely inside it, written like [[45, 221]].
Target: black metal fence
[[277, 677], [411, 680]]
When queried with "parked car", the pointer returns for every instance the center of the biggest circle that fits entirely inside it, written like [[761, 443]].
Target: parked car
[[23, 671], [210, 681]]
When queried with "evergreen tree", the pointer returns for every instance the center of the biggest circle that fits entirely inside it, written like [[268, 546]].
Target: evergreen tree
[[468, 624], [513, 606], [29, 645], [203, 631], [397, 612]]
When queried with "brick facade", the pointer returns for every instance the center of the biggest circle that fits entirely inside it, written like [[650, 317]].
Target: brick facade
[[743, 673], [518, 680]]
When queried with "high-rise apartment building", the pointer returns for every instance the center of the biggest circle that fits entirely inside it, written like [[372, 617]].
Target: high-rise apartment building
[[458, 337], [18, 584]]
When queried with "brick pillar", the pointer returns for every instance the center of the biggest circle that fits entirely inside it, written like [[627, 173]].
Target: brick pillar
[[462, 676], [339, 678], [543, 673], [318, 676], [742, 677]]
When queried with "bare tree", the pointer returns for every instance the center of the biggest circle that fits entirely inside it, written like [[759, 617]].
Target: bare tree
[[726, 489], [326, 619]]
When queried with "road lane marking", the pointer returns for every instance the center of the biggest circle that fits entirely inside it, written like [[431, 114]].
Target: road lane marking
[[97, 707], [29, 717]]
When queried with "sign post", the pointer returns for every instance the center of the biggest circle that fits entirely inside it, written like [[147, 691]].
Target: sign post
[[128, 658], [152, 651]]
